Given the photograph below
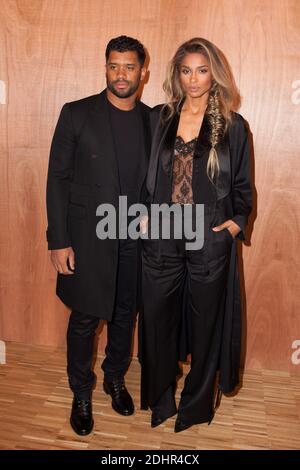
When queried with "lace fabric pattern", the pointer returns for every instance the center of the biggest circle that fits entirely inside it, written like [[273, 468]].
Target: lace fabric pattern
[[182, 192]]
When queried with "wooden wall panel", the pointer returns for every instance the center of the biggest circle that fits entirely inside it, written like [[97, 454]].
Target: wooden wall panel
[[52, 51]]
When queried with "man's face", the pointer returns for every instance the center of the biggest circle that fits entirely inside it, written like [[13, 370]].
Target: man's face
[[124, 73]]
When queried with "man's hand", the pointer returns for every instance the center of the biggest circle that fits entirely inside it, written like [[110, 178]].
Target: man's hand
[[59, 260], [231, 226]]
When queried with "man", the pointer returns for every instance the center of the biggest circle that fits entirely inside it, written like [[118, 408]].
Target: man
[[99, 152]]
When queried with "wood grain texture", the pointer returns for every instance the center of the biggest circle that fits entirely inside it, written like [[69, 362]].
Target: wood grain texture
[[36, 400], [52, 51]]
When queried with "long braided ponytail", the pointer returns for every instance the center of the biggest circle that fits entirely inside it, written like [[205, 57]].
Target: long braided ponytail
[[217, 130]]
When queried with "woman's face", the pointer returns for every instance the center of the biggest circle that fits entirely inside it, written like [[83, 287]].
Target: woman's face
[[195, 75]]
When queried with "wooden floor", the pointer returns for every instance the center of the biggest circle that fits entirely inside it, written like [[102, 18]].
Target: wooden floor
[[35, 403]]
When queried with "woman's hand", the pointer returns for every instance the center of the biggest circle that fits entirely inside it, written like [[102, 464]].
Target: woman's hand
[[233, 228], [144, 224]]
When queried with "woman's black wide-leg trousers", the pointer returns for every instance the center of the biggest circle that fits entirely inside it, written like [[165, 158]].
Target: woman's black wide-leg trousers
[[167, 266]]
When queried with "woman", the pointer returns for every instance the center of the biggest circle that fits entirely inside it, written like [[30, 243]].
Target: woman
[[200, 155]]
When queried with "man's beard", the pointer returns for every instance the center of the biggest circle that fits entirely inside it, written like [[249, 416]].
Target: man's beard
[[126, 93]]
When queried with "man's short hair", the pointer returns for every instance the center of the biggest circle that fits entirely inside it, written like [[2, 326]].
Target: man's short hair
[[124, 44]]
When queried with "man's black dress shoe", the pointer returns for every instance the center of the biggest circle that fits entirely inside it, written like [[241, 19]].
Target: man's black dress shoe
[[121, 400], [81, 418]]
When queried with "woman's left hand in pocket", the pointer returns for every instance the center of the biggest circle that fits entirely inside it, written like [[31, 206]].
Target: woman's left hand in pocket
[[230, 225]]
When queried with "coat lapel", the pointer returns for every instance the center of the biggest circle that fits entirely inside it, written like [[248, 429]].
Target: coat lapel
[[223, 184], [161, 147], [146, 141], [101, 141], [167, 145]]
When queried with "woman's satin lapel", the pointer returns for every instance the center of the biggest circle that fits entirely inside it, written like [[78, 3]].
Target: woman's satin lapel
[[168, 143], [223, 184], [161, 148]]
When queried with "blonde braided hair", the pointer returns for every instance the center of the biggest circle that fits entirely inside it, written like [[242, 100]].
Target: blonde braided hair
[[217, 130]]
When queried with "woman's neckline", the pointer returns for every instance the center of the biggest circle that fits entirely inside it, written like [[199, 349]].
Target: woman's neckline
[[186, 143]]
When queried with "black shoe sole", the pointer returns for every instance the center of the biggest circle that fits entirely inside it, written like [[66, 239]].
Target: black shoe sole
[[84, 432], [117, 410], [123, 413]]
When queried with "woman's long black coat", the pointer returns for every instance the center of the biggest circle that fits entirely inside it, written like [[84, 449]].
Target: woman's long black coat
[[232, 197]]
